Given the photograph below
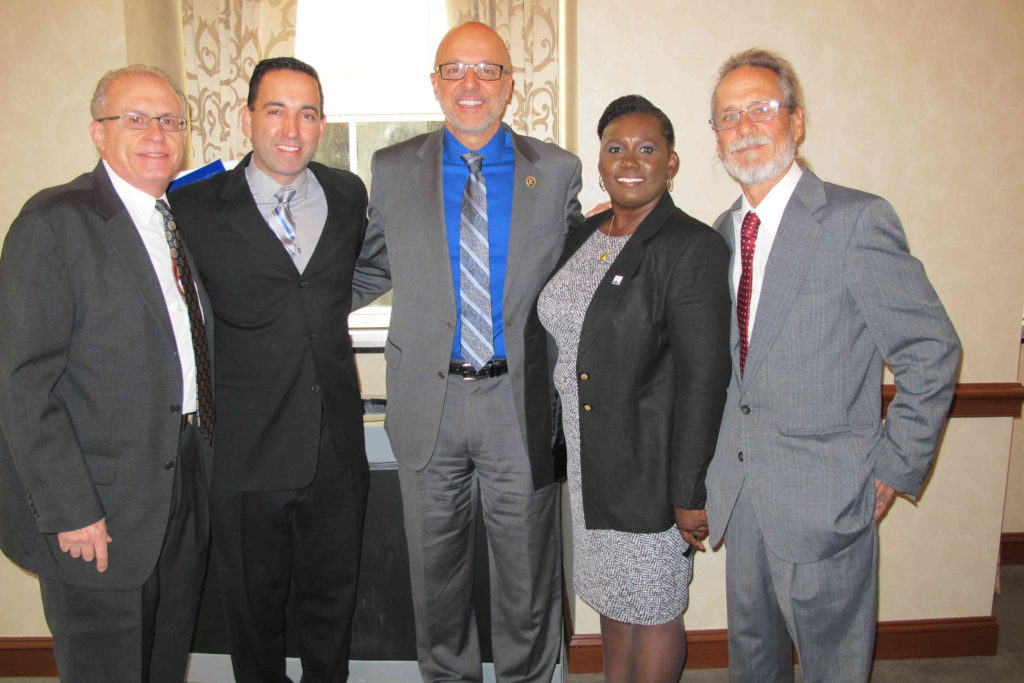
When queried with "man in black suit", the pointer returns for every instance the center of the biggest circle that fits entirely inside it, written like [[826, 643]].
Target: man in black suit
[[276, 240], [105, 400]]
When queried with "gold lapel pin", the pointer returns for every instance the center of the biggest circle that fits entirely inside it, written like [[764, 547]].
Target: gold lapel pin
[[530, 181]]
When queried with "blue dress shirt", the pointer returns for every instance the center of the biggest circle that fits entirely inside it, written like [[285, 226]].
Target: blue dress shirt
[[498, 169]]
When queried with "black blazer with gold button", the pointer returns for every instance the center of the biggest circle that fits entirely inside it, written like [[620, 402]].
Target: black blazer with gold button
[[652, 370]]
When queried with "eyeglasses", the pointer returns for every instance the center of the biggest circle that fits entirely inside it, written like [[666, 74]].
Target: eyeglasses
[[136, 121], [456, 71], [756, 112]]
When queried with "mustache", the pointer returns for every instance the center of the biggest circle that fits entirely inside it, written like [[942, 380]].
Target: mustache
[[752, 139]]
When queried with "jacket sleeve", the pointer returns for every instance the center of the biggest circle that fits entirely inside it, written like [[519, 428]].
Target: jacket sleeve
[[697, 311], [915, 338], [372, 276], [37, 313]]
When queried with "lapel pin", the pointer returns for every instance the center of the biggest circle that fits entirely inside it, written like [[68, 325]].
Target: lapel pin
[[617, 280], [530, 181]]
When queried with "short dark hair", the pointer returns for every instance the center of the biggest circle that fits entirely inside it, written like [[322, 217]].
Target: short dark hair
[[636, 104], [281, 64]]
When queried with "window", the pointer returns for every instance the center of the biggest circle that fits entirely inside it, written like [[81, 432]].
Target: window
[[375, 74]]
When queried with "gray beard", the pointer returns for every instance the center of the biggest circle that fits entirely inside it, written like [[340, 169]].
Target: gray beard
[[757, 174]]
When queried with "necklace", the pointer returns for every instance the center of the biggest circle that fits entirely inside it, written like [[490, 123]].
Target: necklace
[[608, 239]]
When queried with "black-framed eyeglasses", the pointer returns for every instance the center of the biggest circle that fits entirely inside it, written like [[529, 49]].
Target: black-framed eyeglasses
[[136, 121], [756, 112], [456, 71]]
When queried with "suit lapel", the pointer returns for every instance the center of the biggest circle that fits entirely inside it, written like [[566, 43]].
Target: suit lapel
[[524, 204], [125, 243], [795, 244], [608, 292], [241, 213], [724, 226], [332, 225], [426, 184]]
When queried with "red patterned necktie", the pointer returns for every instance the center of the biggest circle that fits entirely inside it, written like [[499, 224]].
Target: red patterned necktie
[[200, 348], [748, 237]]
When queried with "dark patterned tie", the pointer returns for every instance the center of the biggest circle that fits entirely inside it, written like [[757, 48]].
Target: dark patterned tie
[[200, 349], [748, 237], [477, 335]]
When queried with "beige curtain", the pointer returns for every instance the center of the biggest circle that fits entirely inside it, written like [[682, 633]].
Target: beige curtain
[[530, 28], [224, 39]]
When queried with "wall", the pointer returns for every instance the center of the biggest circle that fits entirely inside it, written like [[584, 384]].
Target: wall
[[1013, 511], [917, 101], [46, 141]]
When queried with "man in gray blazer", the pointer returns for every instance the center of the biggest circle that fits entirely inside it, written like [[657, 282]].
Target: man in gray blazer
[[825, 292], [105, 397], [469, 410]]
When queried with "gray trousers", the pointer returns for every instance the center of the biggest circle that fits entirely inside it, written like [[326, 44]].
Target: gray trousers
[[828, 609], [480, 457]]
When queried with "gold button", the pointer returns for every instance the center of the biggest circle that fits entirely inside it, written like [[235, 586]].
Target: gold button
[[587, 407], [584, 376]]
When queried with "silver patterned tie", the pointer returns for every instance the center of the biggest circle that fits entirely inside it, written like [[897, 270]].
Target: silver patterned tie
[[477, 338], [282, 222]]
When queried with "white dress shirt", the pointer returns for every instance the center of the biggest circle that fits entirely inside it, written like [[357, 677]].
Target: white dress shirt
[[770, 212], [150, 224]]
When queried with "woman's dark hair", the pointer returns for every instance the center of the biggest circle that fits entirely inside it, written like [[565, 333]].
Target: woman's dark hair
[[636, 104]]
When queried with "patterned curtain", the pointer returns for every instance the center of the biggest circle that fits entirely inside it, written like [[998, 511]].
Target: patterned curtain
[[530, 28], [224, 39]]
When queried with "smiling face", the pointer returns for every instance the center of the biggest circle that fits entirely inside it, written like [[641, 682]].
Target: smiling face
[[636, 161], [146, 159], [472, 107], [284, 124], [757, 154]]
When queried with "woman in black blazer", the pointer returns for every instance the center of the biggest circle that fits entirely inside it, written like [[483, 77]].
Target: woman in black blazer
[[639, 306]]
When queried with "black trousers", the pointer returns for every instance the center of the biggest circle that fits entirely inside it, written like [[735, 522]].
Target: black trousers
[[298, 550], [142, 634]]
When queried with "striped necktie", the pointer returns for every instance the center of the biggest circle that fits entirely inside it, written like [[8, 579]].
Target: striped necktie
[[282, 222], [474, 268]]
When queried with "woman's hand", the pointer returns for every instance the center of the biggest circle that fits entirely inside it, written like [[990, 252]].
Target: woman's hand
[[693, 525]]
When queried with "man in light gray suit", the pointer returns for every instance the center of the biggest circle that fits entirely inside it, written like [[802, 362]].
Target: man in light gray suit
[[105, 397], [825, 292], [466, 244]]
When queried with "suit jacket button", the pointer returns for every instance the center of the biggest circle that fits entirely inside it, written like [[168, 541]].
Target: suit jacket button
[[740, 456], [169, 465], [450, 325], [587, 407], [316, 389], [440, 374], [745, 409], [303, 283], [584, 376]]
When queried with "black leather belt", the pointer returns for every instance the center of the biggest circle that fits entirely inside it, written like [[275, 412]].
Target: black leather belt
[[492, 368]]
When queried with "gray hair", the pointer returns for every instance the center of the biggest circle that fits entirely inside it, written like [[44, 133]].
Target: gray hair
[[99, 96], [792, 94]]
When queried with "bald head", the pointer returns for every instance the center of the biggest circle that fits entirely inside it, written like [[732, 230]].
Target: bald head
[[473, 106], [473, 38]]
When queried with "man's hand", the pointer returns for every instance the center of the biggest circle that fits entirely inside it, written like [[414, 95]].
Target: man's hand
[[884, 495], [693, 525], [88, 543], [600, 208]]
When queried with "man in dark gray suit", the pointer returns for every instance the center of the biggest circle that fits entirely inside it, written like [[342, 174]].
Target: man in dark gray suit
[[466, 243], [825, 292], [105, 399]]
